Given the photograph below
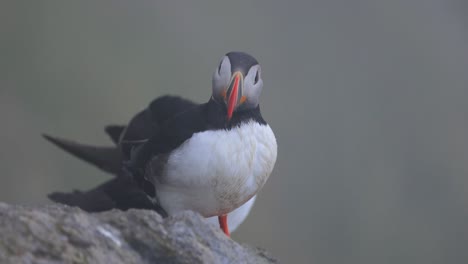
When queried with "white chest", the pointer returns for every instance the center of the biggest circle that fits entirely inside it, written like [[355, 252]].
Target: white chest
[[215, 172]]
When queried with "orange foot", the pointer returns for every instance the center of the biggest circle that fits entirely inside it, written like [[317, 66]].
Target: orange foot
[[223, 224]]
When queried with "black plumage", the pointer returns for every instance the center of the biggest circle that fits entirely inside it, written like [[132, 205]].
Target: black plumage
[[165, 124], [121, 192]]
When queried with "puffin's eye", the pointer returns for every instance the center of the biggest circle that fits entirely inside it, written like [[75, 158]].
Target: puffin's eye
[[219, 67], [256, 78]]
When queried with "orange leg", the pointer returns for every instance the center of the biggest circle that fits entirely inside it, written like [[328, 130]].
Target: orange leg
[[224, 225]]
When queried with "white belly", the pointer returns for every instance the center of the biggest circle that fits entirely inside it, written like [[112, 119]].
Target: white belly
[[214, 172]]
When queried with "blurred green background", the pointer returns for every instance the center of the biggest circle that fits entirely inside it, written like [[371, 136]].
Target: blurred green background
[[368, 100]]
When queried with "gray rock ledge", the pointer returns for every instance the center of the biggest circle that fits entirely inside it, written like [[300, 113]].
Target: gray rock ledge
[[62, 234]]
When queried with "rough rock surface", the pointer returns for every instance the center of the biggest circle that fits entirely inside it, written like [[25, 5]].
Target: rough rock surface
[[61, 234]]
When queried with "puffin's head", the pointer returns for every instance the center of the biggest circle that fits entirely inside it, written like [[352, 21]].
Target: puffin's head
[[237, 82]]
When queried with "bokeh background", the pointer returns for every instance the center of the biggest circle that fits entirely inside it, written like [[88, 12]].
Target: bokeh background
[[368, 100]]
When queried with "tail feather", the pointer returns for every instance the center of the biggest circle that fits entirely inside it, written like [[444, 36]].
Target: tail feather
[[92, 201], [108, 159], [119, 193]]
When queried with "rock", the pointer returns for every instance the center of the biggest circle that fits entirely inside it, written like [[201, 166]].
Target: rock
[[62, 234]]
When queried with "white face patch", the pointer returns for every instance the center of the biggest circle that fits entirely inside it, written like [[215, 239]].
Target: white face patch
[[253, 85], [221, 78]]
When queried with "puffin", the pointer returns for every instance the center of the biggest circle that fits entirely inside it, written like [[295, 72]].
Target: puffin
[[176, 155]]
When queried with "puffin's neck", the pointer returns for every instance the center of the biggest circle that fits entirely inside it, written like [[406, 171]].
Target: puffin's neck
[[217, 112]]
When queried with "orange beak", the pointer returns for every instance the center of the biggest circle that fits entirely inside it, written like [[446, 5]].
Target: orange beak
[[234, 93]]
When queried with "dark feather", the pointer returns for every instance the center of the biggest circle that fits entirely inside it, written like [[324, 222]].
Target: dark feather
[[146, 124], [120, 193], [114, 132], [108, 159], [166, 107]]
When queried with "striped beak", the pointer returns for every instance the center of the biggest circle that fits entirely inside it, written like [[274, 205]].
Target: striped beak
[[234, 94]]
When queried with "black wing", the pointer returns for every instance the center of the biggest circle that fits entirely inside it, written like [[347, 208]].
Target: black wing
[[108, 159], [120, 192], [139, 129], [145, 123], [168, 136], [148, 122]]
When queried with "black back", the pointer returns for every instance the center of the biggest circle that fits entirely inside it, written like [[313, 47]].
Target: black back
[[147, 123]]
